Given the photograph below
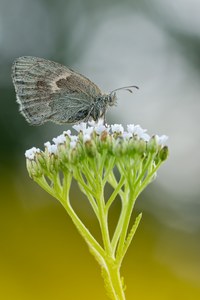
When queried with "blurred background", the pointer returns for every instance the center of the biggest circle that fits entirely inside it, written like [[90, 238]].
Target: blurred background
[[155, 45]]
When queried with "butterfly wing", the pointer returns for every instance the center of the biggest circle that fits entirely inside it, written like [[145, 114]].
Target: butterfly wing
[[48, 91]]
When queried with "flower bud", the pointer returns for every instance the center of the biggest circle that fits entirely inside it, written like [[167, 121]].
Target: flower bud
[[152, 145], [164, 152], [90, 148]]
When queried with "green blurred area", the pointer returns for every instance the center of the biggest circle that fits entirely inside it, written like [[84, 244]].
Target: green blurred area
[[42, 255]]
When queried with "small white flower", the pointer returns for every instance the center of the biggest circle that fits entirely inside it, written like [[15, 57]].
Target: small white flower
[[61, 139], [161, 140], [92, 123], [86, 137], [72, 144], [80, 127], [139, 131], [68, 132], [47, 144], [88, 130], [145, 136], [118, 128], [127, 135], [30, 153], [74, 138], [96, 123], [130, 128], [100, 128], [51, 148]]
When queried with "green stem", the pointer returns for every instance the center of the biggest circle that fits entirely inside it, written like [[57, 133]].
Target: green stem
[[128, 208], [57, 184], [144, 169], [108, 169], [114, 282], [88, 171], [115, 192], [79, 225], [130, 237], [102, 213], [67, 179], [78, 176], [91, 199], [148, 178], [118, 230], [113, 182], [87, 191], [44, 184], [90, 240], [103, 216], [102, 161]]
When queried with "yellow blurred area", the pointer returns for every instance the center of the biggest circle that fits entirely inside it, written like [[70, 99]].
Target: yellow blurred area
[[42, 255]]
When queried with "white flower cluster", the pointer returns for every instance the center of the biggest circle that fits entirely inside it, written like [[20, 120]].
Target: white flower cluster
[[98, 128], [30, 153]]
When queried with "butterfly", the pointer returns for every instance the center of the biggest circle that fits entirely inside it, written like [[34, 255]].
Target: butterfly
[[49, 91]]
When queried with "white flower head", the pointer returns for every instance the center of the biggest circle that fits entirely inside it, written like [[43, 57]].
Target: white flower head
[[67, 133], [161, 140], [139, 131], [80, 127], [88, 130], [101, 128], [61, 139], [130, 128], [74, 138], [145, 136], [47, 144], [86, 137], [30, 153], [52, 149], [127, 135], [96, 123], [72, 144], [118, 128]]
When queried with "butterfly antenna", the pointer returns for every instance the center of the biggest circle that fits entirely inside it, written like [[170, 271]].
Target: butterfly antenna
[[126, 88]]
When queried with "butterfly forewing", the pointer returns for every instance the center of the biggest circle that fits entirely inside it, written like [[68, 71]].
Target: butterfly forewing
[[48, 91]]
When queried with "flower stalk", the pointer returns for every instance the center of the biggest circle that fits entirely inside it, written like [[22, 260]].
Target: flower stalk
[[92, 158]]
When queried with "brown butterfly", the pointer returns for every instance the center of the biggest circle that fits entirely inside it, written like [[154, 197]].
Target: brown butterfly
[[48, 91]]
